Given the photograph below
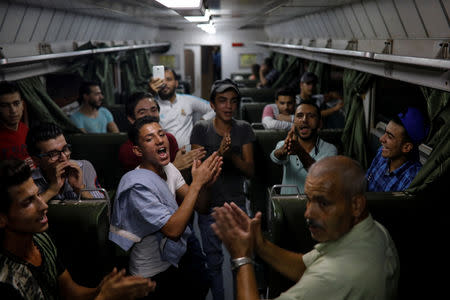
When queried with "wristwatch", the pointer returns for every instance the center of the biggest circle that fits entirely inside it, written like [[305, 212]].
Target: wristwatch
[[240, 261]]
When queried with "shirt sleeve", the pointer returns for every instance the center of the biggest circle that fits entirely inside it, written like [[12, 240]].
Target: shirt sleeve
[[173, 146], [108, 115], [89, 175], [75, 118], [202, 106], [128, 160], [272, 154], [272, 123]]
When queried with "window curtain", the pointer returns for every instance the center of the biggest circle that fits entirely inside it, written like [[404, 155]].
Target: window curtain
[[354, 137], [437, 165], [279, 61], [136, 72], [41, 106], [289, 73], [98, 68], [322, 72]]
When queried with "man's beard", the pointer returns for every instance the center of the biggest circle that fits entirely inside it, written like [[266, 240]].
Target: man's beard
[[311, 136], [166, 96], [94, 105]]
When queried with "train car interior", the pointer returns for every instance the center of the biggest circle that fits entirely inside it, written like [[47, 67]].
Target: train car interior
[[379, 56]]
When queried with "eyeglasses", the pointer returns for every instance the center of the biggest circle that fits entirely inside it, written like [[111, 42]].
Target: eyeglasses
[[54, 155]]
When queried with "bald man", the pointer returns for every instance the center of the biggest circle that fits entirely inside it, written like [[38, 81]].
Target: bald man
[[337, 217]]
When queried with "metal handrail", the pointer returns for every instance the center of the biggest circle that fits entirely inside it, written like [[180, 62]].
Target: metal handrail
[[37, 58]]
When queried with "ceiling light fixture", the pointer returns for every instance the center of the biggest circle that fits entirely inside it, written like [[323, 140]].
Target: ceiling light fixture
[[199, 19], [182, 4], [208, 28]]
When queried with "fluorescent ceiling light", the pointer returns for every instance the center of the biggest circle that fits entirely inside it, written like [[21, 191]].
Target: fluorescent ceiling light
[[199, 19], [181, 4], [209, 28]]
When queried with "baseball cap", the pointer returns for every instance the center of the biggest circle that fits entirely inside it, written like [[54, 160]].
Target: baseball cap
[[309, 77], [220, 86], [414, 123]]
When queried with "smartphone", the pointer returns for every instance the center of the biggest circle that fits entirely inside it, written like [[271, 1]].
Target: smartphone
[[158, 72]]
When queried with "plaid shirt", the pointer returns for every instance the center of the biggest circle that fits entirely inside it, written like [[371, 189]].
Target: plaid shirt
[[379, 179]]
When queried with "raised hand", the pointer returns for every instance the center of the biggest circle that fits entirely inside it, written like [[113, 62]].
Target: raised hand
[[203, 173], [184, 160], [156, 84], [74, 176], [225, 145]]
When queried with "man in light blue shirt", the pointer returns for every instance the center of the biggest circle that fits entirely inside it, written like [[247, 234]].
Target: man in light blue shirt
[[91, 117], [302, 147]]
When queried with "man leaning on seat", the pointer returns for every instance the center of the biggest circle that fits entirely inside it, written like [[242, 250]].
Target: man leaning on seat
[[354, 259]]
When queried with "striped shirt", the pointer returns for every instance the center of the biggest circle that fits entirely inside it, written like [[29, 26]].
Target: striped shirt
[[19, 278], [379, 179]]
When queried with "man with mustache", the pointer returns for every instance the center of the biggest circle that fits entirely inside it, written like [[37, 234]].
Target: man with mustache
[[354, 259], [91, 116], [178, 111], [302, 147]]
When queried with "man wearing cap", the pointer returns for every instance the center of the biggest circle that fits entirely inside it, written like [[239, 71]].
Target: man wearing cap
[[330, 103], [397, 160], [232, 139], [178, 111]]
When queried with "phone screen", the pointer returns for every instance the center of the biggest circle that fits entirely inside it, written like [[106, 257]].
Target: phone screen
[[158, 72]]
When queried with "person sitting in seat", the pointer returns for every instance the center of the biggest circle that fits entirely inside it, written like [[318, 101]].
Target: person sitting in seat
[[56, 175], [13, 131], [267, 74], [302, 147], [281, 114], [397, 160], [143, 104], [91, 116], [355, 257], [255, 72], [147, 219], [331, 103], [30, 265]]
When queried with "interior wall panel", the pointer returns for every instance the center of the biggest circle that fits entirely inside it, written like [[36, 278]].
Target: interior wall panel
[[326, 21], [306, 26], [392, 19], [314, 28], [3, 11], [315, 21], [76, 24], [84, 22], [356, 29], [65, 27], [342, 19], [446, 6], [11, 23], [335, 23], [434, 18], [90, 29], [28, 24], [84, 29], [410, 18], [363, 21], [42, 25], [55, 26], [376, 20]]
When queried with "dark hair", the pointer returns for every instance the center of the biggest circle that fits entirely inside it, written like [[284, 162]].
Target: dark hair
[[12, 172], [8, 88], [85, 89], [268, 61], [134, 99], [133, 133], [175, 75], [313, 103], [255, 69], [285, 91], [41, 133]]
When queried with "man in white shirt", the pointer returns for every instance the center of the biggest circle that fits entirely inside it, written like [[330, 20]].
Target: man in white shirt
[[178, 110]]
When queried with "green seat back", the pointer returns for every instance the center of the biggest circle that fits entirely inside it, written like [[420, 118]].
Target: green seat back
[[252, 111], [266, 95]]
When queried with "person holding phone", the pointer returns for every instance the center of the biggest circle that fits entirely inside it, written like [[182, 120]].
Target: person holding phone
[[177, 110]]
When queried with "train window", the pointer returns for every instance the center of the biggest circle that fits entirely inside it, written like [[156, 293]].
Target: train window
[[63, 89], [393, 96]]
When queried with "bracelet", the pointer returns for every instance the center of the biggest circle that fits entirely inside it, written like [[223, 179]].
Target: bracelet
[[240, 261]]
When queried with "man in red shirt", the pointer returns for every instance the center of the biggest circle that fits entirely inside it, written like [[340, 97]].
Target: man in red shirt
[[140, 105], [13, 132]]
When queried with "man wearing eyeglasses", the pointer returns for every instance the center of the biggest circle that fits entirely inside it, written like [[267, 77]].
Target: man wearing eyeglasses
[[57, 176], [302, 147]]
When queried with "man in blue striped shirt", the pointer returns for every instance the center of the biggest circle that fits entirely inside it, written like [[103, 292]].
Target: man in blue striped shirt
[[397, 160]]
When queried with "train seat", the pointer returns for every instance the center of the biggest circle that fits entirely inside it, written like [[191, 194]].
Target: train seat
[[120, 117], [247, 83], [401, 213], [251, 112], [80, 232], [102, 150], [266, 95]]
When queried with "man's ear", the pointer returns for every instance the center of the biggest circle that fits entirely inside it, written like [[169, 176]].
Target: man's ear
[[3, 220], [137, 151], [407, 147], [212, 105], [359, 203]]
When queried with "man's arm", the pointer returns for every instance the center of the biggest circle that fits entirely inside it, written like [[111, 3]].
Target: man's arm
[[202, 173], [245, 163], [112, 127]]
